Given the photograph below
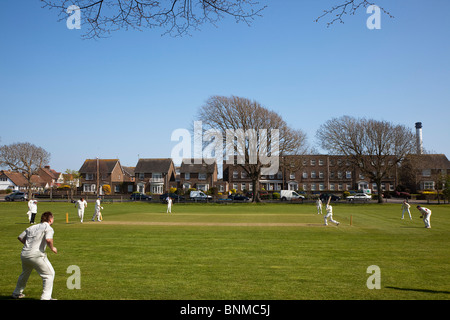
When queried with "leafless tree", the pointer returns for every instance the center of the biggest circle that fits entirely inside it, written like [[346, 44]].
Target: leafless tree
[[376, 147], [176, 17], [262, 132], [24, 157], [347, 7]]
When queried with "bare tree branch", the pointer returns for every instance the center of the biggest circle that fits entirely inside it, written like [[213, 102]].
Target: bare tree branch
[[347, 7], [176, 17]]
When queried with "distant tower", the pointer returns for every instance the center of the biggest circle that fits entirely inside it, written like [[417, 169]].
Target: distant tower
[[419, 137]]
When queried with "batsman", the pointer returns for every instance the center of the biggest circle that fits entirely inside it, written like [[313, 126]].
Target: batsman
[[329, 214]]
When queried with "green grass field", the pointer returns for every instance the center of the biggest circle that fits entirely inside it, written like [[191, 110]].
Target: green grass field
[[236, 252]]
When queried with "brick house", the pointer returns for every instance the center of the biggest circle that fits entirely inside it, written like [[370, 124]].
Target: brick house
[[155, 175], [49, 175], [311, 173], [200, 176], [423, 172], [101, 172]]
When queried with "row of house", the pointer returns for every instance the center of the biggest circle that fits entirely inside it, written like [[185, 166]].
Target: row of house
[[310, 173], [44, 179]]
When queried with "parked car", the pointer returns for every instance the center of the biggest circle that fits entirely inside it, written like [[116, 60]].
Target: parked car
[[175, 197], [18, 195], [199, 195], [290, 195], [238, 197], [140, 196], [359, 196], [324, 197]]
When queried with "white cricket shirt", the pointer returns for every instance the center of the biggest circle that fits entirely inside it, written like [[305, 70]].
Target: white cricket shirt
[[35, 239]]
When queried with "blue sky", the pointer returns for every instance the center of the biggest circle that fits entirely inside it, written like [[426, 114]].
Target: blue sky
[[122, 97]]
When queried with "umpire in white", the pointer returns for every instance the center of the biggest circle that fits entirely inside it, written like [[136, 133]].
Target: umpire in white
[[35, 240]]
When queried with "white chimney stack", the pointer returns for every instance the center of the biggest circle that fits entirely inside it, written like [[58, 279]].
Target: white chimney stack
[[419, 137]]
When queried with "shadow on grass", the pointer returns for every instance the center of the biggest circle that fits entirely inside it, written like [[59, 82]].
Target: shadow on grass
[[419, 290]]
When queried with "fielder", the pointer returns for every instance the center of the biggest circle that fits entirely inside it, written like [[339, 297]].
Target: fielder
[[426, 215], [35, 240], [169, 205], [80, 205], [319, 206], [98, 208], [32, 210], [405, 207], [329, 214]]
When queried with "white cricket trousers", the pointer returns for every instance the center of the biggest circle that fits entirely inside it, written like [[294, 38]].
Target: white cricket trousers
[[426, 219], [329, 215], [81, 214], [169, 208], [403, 213], [44, 268]]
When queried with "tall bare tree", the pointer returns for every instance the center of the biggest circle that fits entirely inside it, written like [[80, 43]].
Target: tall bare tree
[[24, 157], [177, 17], [252, 135], [376, 147]]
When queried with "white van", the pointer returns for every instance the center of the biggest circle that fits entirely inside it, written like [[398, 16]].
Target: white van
[[290, 195], [199, 195]]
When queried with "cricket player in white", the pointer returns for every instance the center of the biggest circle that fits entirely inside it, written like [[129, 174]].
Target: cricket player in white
[[329, 214], [80, 205], [169, 205], [97, 213], [319, 206], [32, 210], [426, 215], [35, 240], [405, 207]]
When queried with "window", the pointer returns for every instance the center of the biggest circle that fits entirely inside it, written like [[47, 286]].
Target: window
[[117, 188], [313, 174], [89, 187], [157, 188], [320, 174], [89, 176], [235, 174], [313, 187], [321, 187], [243, 175], [202, 176], [348, 174], [332, 187], [340, 174], [321, 162], [157, 177], [279, 175], [130, 188], [141, 176], [235, 186], [243, 186], [305, 187], [425, 173], [187, 176], [349, 186], [313, 162], [292, 175], [305, 175], [428, 185]]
